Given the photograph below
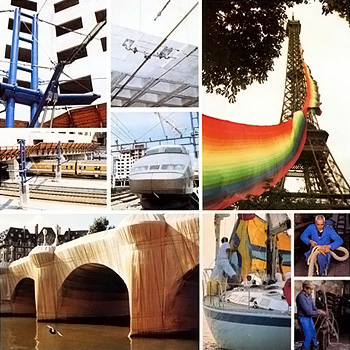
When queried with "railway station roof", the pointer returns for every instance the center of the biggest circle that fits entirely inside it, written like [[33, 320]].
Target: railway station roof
[[46, 148], [86, 117]]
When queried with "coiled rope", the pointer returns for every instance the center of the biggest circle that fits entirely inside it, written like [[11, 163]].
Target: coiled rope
[[312, 260]]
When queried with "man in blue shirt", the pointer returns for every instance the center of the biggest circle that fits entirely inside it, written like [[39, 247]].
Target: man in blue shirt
[[305, 310], [319, 234]]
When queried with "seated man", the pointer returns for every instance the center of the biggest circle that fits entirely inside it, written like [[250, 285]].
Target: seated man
[[319, 234]]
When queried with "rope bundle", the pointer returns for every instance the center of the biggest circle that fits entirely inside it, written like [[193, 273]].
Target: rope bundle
[[312, 260]]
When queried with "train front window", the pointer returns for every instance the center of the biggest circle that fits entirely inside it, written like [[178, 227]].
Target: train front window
[[139, 168], [166, 149], [173, 167]]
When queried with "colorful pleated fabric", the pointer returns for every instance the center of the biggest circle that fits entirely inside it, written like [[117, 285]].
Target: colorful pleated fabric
[[249, 236], [240, 160]]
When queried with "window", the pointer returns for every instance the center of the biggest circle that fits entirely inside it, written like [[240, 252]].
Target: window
[[65, 54], [67, 27], [104, 44], [25, 4], [21, 83], [62, 5], [100, 15], [25, 27], [79, 85], [23, 54]]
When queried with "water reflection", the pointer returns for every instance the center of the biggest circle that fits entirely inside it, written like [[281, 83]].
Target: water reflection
[[25, 333]]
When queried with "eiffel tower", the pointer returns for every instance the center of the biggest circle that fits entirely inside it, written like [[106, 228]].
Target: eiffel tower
[[324, 181]]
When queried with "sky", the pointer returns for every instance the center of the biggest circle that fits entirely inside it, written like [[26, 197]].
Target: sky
[[65, 220], [326, 44]]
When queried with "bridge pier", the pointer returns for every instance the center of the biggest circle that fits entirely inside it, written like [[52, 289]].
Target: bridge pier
[[43, 257]]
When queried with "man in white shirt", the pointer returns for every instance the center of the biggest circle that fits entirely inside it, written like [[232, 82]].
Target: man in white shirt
[[222, 264]]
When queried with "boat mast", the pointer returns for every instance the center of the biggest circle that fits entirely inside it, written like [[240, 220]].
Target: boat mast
[[270, 251], [217, 223]]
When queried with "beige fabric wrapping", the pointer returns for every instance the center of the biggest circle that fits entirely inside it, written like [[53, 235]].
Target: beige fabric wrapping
[[153, 254]]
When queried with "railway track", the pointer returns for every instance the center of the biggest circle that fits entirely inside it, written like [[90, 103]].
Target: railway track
[[124, 199], [90, 196]]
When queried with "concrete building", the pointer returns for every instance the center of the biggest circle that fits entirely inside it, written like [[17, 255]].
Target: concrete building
[[123, 161]]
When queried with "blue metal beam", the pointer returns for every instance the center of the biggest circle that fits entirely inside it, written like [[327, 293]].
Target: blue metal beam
[[34, 83], [10, 108]]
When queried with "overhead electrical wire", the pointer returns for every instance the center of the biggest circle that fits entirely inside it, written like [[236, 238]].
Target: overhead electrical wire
[[122, 130], [42, 7], [36, 39], [153, 52], [170, 69], [161, 11], [126, 128], [159, 123]]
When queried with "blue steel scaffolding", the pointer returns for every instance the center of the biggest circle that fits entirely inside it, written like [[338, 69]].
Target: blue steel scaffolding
[[34, 97]]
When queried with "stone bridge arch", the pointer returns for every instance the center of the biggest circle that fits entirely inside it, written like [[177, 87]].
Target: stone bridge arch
[[23, 297], [92, 292]]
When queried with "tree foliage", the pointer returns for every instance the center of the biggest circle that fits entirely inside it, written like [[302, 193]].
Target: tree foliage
[[279, 198], [342, 7], [99, 224], [241, 39]]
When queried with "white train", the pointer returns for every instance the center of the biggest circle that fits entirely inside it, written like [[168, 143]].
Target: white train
[[163, 177]]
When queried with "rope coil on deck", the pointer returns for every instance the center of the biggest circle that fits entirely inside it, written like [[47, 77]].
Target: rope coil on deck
[[312, 259]]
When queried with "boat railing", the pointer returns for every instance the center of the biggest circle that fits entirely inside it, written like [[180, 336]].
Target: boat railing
[[214, 291]]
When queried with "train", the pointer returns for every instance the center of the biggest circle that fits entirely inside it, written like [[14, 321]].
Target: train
[[75, 168], [163, 178]]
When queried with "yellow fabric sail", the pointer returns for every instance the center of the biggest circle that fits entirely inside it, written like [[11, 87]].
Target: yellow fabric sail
[[249, 236]]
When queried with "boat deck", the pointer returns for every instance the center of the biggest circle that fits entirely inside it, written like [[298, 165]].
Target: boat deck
[[218, 302]]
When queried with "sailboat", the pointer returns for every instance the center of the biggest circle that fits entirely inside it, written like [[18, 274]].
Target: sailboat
[[253, 314]]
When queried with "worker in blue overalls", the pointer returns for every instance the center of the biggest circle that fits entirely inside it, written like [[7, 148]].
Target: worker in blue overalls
[[324, 236], [306, 309]]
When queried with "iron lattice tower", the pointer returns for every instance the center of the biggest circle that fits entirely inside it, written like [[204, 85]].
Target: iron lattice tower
[[323, 178]]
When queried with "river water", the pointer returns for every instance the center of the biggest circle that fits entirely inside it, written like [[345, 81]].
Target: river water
[[25, 334]]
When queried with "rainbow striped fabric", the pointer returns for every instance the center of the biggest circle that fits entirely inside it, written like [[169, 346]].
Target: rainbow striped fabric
[[240, 159]]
